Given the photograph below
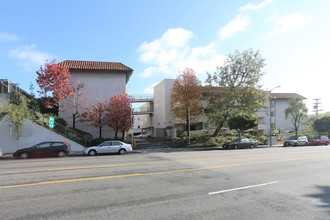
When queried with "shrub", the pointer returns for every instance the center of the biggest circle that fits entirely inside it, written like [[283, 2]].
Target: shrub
[[97, 141], [179, 133], [61, 121], [87, 137]]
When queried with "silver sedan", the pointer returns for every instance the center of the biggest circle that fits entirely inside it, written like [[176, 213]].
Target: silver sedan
[[108, 147]]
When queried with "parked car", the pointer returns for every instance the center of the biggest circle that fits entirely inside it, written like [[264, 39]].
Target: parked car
[[241, 143], [44, 149], [295, 141], [0, 152], [143, 135], [319, 140], [108, 147]]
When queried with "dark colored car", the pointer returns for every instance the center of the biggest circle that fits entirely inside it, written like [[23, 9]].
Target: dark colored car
[[241, 143], [319, 140], [44, 149]]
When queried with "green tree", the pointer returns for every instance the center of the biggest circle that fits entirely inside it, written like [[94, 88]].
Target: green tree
[[322, 125], [235, 88], [296, 111], [242, 122], [17, 111], [186, 93]]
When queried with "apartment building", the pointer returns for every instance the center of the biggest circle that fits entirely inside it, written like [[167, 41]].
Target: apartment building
[[101, 80], [162, 124]]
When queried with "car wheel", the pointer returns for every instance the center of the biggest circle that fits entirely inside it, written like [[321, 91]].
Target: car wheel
[[225, 147], [306, 143], [251, 146], [285, 144], [92, 153], [122, 151], [295, 144], [24, 155], [235, 147], [326, 144], [61, 154]]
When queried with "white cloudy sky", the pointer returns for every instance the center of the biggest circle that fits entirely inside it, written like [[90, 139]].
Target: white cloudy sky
[[160, 38]]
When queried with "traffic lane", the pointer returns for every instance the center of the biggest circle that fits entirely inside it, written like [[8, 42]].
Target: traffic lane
[[167, 196], [124, 170], [144, 168], [50, 164]]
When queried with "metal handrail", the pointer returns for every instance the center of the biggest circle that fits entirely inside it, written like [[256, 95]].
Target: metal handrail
[[143, 96]]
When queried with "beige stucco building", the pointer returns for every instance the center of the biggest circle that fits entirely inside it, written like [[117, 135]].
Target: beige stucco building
[[101, 80], [162, 124]]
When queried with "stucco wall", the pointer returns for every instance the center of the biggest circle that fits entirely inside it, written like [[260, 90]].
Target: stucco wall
[[162, 104], [145, 120], [100, 86], [278, 118], [31, 134]]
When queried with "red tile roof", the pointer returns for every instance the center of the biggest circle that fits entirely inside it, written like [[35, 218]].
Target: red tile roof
[[94, 65]]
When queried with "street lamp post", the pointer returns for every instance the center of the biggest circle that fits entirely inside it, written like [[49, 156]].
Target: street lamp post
[[270, 116], [132, 138], [188, 125]]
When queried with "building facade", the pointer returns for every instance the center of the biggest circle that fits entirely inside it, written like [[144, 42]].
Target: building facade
[[162, 123], [101, 81]]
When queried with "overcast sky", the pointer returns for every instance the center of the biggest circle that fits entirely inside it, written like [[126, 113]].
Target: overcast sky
[[160, 38]]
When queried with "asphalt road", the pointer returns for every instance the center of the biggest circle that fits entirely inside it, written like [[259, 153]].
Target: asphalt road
[[264, 183]]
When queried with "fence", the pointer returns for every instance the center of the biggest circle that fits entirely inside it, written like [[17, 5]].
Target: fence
[[83, 139]]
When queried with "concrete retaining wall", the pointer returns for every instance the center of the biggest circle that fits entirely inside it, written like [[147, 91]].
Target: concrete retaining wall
[[31, 134]]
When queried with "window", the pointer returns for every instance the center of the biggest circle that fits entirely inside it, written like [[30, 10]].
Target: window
[[192, 128], [108, 143], [273, 125], [43, 145], [56, 144], [116, 143]]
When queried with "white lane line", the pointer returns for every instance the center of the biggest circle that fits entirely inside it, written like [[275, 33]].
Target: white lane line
[[245, 187]]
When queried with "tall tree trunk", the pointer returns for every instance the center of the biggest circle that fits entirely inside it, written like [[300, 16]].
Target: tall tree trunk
[[73, 120], [100, 131], [296, 129], [116, 134], [217, 130], [123, 135], [188, 124], [239, 134]]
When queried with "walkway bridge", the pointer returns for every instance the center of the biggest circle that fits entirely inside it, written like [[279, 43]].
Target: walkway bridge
[[145, 109]]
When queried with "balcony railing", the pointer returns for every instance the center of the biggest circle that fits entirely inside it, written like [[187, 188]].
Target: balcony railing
[[143, 97]]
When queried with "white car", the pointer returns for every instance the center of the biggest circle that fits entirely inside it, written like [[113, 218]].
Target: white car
[[0, 152], [108, 147]]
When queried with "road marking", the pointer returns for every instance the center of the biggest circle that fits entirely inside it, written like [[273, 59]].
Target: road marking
[[147, 163], [155, 173], [240, 188]]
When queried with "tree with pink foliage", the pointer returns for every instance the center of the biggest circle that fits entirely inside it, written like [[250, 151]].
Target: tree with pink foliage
[[96, 116], [54, 81], [79, 104], [119, 115]]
